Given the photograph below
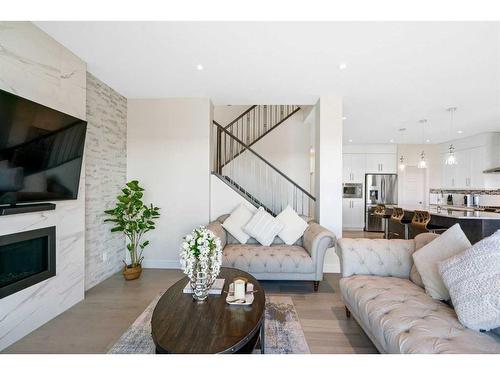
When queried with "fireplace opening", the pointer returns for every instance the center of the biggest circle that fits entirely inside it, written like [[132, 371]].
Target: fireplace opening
[[26, 259]]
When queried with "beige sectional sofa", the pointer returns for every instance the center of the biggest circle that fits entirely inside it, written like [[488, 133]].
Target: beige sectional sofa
[[301, 261], [379, 287]]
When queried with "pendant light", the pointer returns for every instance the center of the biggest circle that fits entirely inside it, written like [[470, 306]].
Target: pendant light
[[451, 160], [422, 163], [402, 164]]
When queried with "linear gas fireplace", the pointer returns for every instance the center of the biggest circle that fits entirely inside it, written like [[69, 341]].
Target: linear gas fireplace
[[26, 259]]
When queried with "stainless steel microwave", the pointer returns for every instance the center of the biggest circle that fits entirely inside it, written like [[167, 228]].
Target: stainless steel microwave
[[351, 190]]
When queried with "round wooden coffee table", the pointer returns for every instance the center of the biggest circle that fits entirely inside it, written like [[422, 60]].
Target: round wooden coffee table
[[182, 325]]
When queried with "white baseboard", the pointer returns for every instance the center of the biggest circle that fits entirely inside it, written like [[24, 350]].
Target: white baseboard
[[161, 263]]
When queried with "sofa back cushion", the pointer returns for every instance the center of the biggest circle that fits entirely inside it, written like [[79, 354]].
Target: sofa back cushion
[[362, 256]]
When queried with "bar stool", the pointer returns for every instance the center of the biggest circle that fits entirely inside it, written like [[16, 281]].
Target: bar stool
[[381, 211], [420, 223], [398, 220]]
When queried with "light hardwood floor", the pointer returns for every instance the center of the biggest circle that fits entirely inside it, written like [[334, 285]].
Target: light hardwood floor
[[93, 325]]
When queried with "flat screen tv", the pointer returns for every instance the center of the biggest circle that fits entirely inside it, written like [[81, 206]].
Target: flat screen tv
[[41, 152]]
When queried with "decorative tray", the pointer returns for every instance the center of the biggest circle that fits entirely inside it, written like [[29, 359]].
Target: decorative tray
[[240, 302]]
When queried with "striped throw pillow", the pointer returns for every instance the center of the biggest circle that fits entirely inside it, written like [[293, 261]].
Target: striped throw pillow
[[263, 227]]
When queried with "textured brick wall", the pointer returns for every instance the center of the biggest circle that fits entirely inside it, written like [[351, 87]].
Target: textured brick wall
[[105, 172]]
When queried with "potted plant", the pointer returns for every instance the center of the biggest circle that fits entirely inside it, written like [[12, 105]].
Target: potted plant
[[132, 217]]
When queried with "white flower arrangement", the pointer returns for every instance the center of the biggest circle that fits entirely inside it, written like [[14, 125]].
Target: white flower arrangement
[[201, 252]]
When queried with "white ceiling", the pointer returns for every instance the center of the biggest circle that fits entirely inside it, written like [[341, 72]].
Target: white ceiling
[[397, 73]]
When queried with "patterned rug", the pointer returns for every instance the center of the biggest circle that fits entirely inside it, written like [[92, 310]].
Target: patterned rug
[[283, 334]]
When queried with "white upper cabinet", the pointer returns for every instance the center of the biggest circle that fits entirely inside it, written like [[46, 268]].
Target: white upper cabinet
[[381, 163], [449, 174], [467, 173], [478, 164], [346, 167], [463, 168], [354, 167]]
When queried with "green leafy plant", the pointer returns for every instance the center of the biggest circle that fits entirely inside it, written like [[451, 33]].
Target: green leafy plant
[[132, 217]]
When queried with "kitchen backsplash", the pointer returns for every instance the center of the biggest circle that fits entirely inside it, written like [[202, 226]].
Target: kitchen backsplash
[[487, 198]]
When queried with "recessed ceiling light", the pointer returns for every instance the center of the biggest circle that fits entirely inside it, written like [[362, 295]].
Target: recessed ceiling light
[[344, 118], [199, 67], [427, 140], [391, 140], [350, 140], [342, 66], [460, 132]]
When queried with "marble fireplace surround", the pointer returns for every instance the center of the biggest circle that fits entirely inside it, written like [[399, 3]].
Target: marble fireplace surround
[[36, 249], [35, 66]]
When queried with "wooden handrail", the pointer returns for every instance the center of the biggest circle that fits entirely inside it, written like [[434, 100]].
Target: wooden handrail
[[221, 128]]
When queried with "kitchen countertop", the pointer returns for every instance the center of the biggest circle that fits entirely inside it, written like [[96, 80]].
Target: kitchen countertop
[[453, 212]]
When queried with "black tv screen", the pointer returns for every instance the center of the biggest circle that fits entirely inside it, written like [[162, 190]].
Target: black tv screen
[[41, 152]]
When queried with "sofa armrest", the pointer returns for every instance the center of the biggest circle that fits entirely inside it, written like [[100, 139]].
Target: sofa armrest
[[378, 257], [217, 229], [316, 240]]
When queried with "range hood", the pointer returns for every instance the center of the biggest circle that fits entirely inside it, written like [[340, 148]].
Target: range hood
[[492, 170]]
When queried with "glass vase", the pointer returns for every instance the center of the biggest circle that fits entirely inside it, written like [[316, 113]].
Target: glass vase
[[201, 286]]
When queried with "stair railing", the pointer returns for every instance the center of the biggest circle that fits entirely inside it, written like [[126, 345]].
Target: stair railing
[[258, 120], [254, 177]]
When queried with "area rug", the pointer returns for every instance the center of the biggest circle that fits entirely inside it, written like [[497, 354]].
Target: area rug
[[284, 334]]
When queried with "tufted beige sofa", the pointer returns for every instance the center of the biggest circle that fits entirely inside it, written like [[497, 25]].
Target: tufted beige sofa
[[378, 286], [301, 261]]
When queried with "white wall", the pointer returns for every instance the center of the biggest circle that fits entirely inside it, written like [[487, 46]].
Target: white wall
[[224, 114], [328, 170], [223, 199], [40, 69], [168, 152]]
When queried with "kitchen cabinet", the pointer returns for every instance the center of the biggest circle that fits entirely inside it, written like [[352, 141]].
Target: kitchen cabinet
[[478, 164], [353, 167], [353, 212], [381, 163], [467, 173], [449, 174]]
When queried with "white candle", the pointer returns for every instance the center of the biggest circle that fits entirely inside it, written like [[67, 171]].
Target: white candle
[[239, 289]]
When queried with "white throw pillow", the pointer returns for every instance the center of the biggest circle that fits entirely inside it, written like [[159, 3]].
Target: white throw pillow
[[235, 223], [263, 227], [420, 241], [293, 225], [473, 280], [450, 243]]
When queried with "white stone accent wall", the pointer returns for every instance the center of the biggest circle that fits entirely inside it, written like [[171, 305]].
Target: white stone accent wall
[[105, 175], [36, 67]]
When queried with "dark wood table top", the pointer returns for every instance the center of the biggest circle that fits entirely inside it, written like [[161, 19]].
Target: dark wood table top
[[182, 325]]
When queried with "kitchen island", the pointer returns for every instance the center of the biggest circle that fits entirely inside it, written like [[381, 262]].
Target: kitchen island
[[476, 224]]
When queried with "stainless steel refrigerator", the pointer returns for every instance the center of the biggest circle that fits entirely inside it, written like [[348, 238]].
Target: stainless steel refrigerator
[[379, 189]]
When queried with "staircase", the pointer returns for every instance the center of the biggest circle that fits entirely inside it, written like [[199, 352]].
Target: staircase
[[250, 174], [258, 121]]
